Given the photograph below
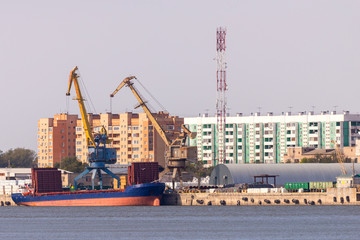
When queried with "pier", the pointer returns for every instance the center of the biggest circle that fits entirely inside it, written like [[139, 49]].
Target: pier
[[333, 196]]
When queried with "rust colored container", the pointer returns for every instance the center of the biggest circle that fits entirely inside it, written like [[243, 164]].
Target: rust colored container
[[46, 180], [143, 172]]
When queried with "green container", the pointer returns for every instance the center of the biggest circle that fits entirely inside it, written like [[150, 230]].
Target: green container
[[296, 186]]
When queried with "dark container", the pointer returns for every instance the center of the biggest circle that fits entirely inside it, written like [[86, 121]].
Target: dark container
[[143, 172], [46, 180]]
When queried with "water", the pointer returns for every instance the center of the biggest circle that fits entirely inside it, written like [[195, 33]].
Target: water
[[175, 222]]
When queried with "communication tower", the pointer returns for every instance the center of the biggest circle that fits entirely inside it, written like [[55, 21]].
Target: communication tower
[[221, 88]]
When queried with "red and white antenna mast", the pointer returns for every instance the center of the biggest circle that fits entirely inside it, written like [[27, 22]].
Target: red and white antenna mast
[[221, 88]]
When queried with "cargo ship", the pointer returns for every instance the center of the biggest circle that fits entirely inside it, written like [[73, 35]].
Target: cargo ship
[[47, 190], [146, 194]]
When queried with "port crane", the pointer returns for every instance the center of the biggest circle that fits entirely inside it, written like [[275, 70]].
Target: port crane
[[340, 158], [176, 152], [99, 154]]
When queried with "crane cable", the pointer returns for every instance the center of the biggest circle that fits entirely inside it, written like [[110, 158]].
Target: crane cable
[[149, 106], [67, 104], [163, 108], [86, 94]]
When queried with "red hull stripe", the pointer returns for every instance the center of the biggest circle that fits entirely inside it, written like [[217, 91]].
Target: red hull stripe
[[128, 201]]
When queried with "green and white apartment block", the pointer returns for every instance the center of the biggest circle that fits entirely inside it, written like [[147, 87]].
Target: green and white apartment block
[[265, 139]]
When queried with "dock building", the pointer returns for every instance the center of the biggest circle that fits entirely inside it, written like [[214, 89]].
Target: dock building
[[286, 173], [132, 134], [265, 139]]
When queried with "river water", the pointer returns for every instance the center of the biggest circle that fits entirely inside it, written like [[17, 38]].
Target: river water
[[175, 222]]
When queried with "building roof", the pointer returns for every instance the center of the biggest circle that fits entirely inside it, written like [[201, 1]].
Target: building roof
[[347, 176], [288, 118], [24, 170], [16, 170], [119, 169], [320, 151], [291, 172]]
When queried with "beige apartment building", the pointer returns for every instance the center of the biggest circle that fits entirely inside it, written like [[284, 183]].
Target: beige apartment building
[[133, 135], [56, 139]]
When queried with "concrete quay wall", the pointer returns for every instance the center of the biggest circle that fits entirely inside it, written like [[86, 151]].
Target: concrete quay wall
[[5, 200], [333, 196]]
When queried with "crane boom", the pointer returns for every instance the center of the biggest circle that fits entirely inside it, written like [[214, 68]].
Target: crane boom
[[88, 133], [176, 152], [127, 82], [340, 158]]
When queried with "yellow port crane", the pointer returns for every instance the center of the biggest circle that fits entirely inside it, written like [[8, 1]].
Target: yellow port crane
[[176, 153], [99, 154], [84, 117], [340, 157]]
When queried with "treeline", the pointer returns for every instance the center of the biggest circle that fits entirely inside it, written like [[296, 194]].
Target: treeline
[[71, 164], [325, 159], [198, 170], [18, 158]]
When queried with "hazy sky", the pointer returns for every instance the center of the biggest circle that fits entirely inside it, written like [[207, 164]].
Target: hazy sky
[[279, 54]]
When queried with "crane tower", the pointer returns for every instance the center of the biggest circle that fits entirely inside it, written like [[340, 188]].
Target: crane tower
[[221, 88]]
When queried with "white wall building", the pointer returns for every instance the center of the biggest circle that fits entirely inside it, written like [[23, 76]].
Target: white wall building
[[265, 139]]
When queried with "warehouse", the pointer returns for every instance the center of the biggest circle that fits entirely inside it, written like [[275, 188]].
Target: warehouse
[[297, 172]]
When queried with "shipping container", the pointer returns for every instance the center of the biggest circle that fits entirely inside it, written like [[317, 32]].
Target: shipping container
[[143, 172], [258, 190], [320, 185], [296, 186], [46, 180]]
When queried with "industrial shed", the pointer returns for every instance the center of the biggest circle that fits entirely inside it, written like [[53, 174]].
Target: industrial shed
[[297, 172]]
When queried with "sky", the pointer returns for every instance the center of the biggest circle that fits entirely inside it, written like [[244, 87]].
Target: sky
[[281, 55]]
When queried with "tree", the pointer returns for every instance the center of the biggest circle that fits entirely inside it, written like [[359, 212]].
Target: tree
[[333, 158], [18, 157], [71, 164], [199, 170]]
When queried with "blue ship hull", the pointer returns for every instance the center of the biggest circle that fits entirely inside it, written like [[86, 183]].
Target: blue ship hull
[[147, 194]]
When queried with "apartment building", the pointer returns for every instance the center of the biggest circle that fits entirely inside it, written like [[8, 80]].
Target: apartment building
[[265, 139], [56, 139], [133, 135]]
